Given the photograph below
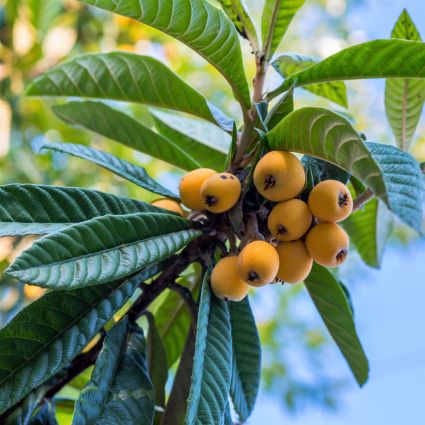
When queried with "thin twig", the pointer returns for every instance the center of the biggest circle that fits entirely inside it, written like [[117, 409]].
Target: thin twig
[[186, 295], [364, 197]]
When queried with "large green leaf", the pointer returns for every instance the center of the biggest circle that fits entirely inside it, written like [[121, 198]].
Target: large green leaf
[[283, 107], [156, 358], [246, 370], [45, 336], [332, 304], [119, 391], [369, 229], [125, 77], [403, 181], [102, 249], [206, 143], [173, 319], [97, 117], [34, 210], [127, 170], [196, 23], [373, 59], [275, 20], [212, 363], [393, 175], [289, 63], [404, 99], [237, 13]]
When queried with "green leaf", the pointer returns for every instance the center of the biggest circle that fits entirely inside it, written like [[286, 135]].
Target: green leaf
[[125, 77], [211, 376], [283, 107], [34, 210], [177, 401], [206, 143], [45, 336], [324, 134], [373, 59], [45, 416], [369, 229], [102, 249], [127, 170], [275, 20], [404, 99], [290, 63], [332, 304], [119, 391], [199, 25], [237, 13], [403, 181], [246, 370], [43, 14], [97, 117], [173, 320], [232, 149], [156, 357]]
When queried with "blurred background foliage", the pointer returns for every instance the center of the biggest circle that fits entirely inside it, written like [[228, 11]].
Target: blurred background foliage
[[37, 34]]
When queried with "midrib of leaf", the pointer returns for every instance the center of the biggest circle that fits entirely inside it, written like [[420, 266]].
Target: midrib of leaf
[[404, 116], [58, 335]]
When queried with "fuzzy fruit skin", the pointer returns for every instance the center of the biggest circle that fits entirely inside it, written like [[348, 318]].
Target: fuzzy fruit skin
[[220, 192], [289, 220], [190, 187], [331, 201], [328, 244], [295, 262], [258, 263], [285, 170], [169, 205], [226, 282]]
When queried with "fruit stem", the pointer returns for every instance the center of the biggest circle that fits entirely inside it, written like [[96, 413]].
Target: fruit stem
[[362, 199]]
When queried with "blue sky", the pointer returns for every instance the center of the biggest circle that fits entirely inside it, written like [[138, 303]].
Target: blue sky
[[389, 303]]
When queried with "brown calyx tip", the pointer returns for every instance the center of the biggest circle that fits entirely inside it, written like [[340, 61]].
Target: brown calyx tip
[[340, 257], [210, 200], [343, 199], [253, 276], [281, 230], [269, 181]]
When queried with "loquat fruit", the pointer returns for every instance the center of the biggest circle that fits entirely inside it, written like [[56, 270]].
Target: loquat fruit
[[169, 205], [221, 192], [328, 244], [289, 220], [330, 200], [190, 188], [279, 175], [258, 263], [295, 262], [226, 282]]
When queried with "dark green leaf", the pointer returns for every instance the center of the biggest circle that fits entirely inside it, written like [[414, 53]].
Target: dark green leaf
[[102, 249], [246, 369], [46, 415], [211, 376], [156, 357], [404, 99], [331, 302], [97, 117], [196, 23], [206, 143], [283, 107], [233, 147], [53, 330], [236, 11], [290, 63], [34, 210], [125, 77], [275, 20], [119, 391], [373, 59], [127, 170], [369, 229]]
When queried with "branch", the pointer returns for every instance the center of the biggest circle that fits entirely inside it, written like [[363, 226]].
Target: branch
[[364, 197]]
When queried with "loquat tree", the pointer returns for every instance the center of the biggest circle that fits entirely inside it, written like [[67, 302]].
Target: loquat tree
[[279, 202]]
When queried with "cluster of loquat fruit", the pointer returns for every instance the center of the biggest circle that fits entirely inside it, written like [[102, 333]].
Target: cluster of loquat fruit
[[298, 232]]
